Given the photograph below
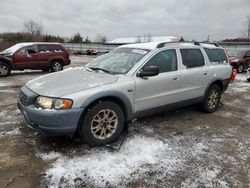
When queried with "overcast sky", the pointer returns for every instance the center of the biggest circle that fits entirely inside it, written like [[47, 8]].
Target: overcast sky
[[192, 19]]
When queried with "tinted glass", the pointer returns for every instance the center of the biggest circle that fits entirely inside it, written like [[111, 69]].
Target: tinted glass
[[44, 48], [165, 60], [216, 55], [192, 58], [58, 48], [248, 53]]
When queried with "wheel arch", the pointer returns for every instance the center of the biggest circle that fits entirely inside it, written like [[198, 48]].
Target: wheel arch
[[119, 98], [219, 82], [7, 62]]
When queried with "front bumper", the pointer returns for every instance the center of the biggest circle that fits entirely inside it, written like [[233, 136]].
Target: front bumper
[[54, 122], [67, 62]]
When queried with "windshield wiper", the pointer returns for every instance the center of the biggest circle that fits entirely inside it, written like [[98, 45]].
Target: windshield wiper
[[100, 69]]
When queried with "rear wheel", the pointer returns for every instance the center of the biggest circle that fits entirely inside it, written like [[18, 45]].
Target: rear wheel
[[4, 69], [102, 124], [56, 66], [212, 99]]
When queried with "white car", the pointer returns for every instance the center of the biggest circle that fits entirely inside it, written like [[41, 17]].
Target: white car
[[132, 81]]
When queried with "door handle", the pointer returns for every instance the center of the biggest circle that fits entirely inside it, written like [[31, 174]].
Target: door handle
[[205, 73], [176, 78]]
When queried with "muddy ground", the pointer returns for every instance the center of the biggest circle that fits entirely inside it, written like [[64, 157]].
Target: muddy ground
[[181, 148]]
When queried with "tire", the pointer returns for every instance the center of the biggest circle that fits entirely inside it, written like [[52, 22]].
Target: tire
[[240, 68], [212, 99], [248, 79], [94, 127], [56, 66], [4, 69]]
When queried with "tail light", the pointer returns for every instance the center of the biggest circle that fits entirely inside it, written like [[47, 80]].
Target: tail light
[[233, 75]]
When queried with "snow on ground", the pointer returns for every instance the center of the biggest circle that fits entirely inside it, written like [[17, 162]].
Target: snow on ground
[[140, 157], [223, 113], [15, 131]]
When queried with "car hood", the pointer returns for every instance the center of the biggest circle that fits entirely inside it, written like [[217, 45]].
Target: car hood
[[69, 81]]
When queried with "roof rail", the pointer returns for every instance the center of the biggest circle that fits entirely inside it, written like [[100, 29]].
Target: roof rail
[[161, 45]]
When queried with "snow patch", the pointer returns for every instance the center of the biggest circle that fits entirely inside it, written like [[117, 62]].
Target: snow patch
[[224, 114], [10, 133]]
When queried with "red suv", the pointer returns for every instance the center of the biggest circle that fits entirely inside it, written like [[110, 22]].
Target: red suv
[[239, 59], [44, 56]]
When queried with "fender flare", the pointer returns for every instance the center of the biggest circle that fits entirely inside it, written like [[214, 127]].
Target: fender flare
[[109, 94]]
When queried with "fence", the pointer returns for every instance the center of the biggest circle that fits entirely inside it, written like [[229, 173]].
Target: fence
[[83, 47], [103, 48]]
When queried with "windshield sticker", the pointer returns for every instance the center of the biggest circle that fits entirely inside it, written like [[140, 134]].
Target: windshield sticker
[[143, 52]]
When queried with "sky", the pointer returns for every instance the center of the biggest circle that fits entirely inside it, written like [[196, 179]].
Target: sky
[[192, 19]]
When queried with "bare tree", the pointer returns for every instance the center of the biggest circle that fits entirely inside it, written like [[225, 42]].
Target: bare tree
[[34, 28], [100, 38], [246, 28]]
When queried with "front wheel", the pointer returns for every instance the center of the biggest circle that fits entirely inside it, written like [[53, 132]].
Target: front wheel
[[56, 66], [4, 69], [102, 124], [212, 99]]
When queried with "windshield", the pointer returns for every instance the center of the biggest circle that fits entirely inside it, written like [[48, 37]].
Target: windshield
[[14, 48], [236, 53], [119, 61]]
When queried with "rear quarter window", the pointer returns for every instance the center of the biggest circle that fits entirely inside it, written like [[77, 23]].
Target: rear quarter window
[[58, 48], [43, 48], [216, 56]]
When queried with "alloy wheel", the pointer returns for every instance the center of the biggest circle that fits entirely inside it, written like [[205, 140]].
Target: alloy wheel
[[104, 124], [213, 99]]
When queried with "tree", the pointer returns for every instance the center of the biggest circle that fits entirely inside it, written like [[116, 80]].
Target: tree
[[246, 28], [77, 38], [100, 38], [34, 28]]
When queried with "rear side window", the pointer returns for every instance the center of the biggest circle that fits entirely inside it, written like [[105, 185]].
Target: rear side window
[[248, 53], [44, 49], [216, 56], [58, 48], [192, 58]]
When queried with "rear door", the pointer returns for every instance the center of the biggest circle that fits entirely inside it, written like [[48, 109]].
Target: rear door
[[45, 52], [157, 91], [195, 73]]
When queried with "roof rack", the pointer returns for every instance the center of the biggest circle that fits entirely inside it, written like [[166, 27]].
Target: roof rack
[[161, 45]]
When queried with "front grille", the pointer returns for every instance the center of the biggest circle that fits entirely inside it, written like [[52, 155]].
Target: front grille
[[23, 98]]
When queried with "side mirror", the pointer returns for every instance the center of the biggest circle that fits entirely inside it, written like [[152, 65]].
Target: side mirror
[[148, 72]]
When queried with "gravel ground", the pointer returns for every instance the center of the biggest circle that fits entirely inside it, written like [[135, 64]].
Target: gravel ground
[[181, 148]]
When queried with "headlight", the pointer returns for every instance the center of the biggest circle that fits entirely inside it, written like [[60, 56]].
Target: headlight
[[53, 103]]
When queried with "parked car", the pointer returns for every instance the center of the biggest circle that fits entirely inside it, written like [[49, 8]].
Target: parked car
[[239, 59], [248, 74], [131, 81], [44, 56]]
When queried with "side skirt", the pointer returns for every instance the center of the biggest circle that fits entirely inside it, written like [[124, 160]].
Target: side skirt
[[169, 107]]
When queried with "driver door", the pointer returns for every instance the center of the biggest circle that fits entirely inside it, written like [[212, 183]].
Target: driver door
[[24, 59], [160, 90]]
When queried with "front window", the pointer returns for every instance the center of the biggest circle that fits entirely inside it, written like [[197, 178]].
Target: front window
[[165, 60], [119, 61]]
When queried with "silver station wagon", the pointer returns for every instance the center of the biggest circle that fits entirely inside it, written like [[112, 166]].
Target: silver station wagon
[[132, 81]]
